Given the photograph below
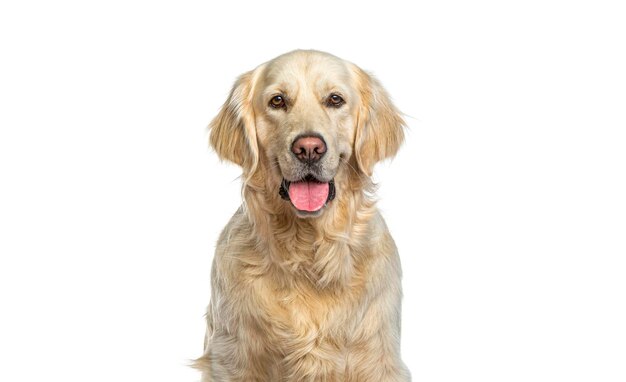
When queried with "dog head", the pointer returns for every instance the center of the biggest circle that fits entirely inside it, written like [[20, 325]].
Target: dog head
[[307, 120]]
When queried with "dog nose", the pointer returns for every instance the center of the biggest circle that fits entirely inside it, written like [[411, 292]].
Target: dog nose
[[308, 148]]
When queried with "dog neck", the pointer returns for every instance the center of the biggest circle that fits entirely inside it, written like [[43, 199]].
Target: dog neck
[[324, 250]]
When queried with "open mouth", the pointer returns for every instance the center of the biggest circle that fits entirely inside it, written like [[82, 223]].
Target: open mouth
[[308, 194]]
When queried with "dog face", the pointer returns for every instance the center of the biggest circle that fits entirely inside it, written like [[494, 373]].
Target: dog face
[[306, 119]]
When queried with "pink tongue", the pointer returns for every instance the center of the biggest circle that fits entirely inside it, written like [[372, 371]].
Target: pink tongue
[[308, 196]]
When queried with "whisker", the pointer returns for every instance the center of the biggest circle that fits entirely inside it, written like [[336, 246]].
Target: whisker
[[349, 165]]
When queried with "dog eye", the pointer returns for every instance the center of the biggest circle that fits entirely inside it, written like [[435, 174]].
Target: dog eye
[[334, 100], [277, 102]]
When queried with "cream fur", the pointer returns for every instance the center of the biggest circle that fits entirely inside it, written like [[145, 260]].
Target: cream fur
[[294, 298]]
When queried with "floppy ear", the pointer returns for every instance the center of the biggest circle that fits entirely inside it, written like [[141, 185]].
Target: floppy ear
[[233, 132], [379, 130]]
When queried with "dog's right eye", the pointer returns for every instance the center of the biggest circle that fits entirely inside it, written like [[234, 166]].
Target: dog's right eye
[[277, 102]]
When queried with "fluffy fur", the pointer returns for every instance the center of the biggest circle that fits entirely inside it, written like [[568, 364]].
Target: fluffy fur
[[301, 298]]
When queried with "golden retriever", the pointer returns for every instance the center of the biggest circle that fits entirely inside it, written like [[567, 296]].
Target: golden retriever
[[305, 281]]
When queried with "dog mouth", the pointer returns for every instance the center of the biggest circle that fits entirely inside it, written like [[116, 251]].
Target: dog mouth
[[308, 194]]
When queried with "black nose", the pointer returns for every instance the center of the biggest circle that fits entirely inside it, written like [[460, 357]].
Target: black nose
[[308, 148]]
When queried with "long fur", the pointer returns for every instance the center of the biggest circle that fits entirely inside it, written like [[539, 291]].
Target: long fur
[[297, 299]]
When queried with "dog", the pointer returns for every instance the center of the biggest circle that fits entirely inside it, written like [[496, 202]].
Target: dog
[[306, 278]]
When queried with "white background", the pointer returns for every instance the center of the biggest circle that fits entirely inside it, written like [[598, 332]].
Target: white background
[[507, 201]]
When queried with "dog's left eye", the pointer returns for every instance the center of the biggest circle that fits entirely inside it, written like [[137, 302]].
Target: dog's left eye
[[335, 100]]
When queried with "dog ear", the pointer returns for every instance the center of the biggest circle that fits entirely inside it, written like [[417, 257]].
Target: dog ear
[[379, 130], [233, 131]]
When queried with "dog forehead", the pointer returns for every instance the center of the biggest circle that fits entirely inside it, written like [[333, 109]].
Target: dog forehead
[[310, 69]]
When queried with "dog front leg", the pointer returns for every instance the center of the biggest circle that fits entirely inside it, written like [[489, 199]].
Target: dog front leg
[[235, 357]]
